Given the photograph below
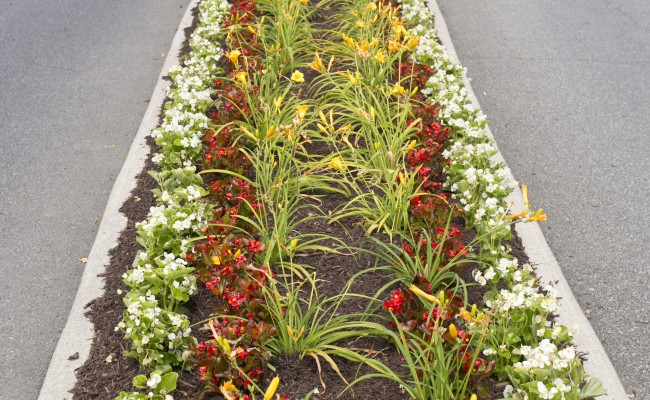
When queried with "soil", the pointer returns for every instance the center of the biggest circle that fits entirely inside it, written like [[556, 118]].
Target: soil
[[106, 372]]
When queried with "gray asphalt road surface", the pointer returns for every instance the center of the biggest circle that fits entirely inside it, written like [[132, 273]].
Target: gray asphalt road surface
[[566, 86], [76, 77]]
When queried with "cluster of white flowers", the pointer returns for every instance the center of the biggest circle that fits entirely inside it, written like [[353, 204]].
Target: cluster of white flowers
[[160, 280], [481, 185]]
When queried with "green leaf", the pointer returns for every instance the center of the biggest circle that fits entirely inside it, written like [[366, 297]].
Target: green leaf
[[167, 383], [593, 388], [140, 381]]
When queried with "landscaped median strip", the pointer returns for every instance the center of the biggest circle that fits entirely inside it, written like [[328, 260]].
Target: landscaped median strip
[[242, 174]]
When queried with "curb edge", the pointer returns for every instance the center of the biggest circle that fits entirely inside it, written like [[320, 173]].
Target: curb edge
[[598, 364], [77, 335]]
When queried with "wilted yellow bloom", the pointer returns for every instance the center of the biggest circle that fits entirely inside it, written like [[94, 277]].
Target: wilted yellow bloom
[[317, 64], [371, 6], [524, 212], [273, 387], [360, 24], [379, 57], [298, 76], [301, 111], [398, 90], [241, 76], [337, 164]]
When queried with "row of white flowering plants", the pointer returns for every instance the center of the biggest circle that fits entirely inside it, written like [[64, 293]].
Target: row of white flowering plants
[[279, 107]]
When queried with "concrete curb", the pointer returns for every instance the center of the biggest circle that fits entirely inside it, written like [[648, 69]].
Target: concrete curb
[[541, 257], [78, 332]]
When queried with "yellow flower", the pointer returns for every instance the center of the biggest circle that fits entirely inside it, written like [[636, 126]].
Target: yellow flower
[[251, 30], [277, 102], [269, 132], [298, 76], [216, 260], [301, 111], [398, 90], [241, 76], [473, 397], [379, 57], [413, 42], [354, 79], [453, 332], [337, 164], [228, 386], [371, 6], [374, 19], [304, 1], [360, 24], [537, 217], [233, 56], [317, 64], [349, 41], [393, 46], [411, 146], [423, 294], [273, 387], [524, 212]]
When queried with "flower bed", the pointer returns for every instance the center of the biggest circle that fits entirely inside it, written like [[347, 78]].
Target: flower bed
[[327, 192]]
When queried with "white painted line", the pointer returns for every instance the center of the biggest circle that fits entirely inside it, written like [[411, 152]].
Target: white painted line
[[598, 364], [78, 332]]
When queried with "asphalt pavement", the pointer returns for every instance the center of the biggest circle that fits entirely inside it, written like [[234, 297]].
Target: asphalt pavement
[[75, 77], [566, 87]]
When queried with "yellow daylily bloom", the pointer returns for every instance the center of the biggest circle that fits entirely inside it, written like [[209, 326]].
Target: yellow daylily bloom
[[304, 1], [354, 78], [233, 56], [394, 46], [269, 132], [322, 128], [349, 41], [371, 6], [423, 294], [374, 19], [398, 90], [322, 117], [317, 64], [251, 30], [360, 24], [537, 217], [241, 76], [298, 77], [473, 397], [293, 244], [453, 332], [379, 57], [273, 387], [413, 42], [216, 260], [337, 164], [301, 111], [228, 386], [411, 146], [277, 102]]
